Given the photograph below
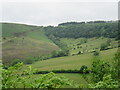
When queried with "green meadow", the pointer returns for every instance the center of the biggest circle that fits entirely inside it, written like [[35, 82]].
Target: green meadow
[[72, 62]]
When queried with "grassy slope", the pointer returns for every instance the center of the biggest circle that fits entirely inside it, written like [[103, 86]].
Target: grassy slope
[[91, 44], [38, 35], [72, 62], [35, 43], [8, 29]]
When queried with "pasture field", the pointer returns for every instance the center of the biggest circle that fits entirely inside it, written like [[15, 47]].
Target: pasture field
[[9, 29], [38, 35], [85, 45], [72, 62]]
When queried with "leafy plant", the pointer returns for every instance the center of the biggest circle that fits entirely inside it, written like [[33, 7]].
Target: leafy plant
[[96, 53], [13, 78], [107, 82], [99, 69]]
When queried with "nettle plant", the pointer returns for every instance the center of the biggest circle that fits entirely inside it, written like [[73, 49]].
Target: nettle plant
[[16, 77]]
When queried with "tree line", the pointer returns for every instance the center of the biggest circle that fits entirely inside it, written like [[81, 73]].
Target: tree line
[[81, 29]]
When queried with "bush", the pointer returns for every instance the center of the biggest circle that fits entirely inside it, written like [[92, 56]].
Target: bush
[[83, 69], [28, 61], [99, 69], [15, 61], [54, 54], [96, 53], [11, 78], [107, 82], [104, 46]]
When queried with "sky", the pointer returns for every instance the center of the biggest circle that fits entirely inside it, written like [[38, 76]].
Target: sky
[[53, 12]]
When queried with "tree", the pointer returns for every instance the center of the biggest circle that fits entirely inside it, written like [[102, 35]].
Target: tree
[[96, 53], [103, 46], [99, 69], [107, 82], [54, 54], [83, 69]]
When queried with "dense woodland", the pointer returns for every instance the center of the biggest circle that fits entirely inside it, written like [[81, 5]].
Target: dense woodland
[[82, 29]]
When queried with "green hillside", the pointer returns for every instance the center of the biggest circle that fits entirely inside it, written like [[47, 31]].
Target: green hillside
[[72, 62], [87, 45], [38, 35], [10, 29], [23, 41]]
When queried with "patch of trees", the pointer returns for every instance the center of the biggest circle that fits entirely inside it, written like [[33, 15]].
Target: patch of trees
[[96, 53], [59, 53], [86, 30], [32, 59], [104, 46]]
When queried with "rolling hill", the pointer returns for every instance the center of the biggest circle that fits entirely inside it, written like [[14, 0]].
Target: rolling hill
[[21, 41], [72, 62]]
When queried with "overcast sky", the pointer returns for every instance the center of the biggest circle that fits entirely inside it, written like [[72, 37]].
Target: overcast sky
[[53, 13]]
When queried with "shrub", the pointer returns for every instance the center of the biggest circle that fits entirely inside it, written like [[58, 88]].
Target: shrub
[[12, 78], [28, 61], [83, 69], [96, 53], [54, 54], [106, 82], [99, 69], [103, 47], [15, 61]]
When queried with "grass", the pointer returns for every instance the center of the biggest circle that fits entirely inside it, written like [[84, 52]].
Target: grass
[[38, 35], [76, 78], [32, 42], [23, 49], [72, 62], [8, 29], [91, 44]]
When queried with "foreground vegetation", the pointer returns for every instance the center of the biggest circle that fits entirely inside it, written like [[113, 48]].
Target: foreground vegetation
[[103, 75]]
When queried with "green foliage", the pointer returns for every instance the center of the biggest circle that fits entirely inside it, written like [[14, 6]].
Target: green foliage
[[84, 40], [12, 78], [99, 69], [105, 75], [59, 53], [28, 61], [115, 69], [107, 82], [86, 30], [0, 75], [96, 53], [15, 61], [84, 69], [54, 54], [104, 46]]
